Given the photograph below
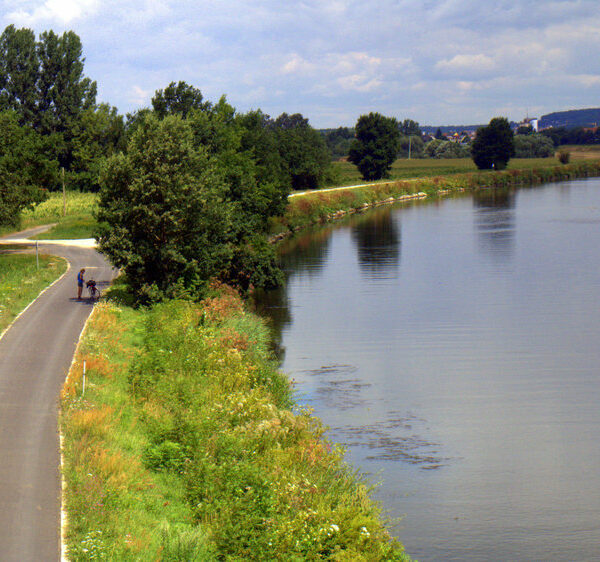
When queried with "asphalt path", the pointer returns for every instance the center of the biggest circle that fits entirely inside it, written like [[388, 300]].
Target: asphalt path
[[35, 355]]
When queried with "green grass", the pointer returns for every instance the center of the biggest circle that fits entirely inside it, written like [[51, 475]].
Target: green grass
[[70, 228], [78, 222], [21, 281], [184, 447]]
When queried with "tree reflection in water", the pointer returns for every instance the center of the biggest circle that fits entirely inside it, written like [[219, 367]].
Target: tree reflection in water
[[495, 223], [378, 243]]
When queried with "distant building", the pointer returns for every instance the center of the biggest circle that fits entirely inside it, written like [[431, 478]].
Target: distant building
[[532, 122]]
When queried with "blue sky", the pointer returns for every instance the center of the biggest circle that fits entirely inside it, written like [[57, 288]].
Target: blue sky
[[435, 61]]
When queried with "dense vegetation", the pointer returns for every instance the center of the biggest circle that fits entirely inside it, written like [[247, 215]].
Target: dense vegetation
[[493, 146], [184, 447], [375, 146]]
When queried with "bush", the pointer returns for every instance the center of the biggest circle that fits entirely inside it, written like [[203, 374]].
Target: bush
[[564, 157]]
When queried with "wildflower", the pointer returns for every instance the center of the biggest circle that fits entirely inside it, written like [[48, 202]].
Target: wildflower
[[334, 528], [364, 532]]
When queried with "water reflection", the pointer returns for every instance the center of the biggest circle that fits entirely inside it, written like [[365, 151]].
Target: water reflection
[[378, 243], [495, 222]]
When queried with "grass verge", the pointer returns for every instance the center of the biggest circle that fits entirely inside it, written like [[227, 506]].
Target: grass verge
[[185, 447], [21, 282]]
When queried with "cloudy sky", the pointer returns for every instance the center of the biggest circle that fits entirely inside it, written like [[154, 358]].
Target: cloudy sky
[[435, 61]]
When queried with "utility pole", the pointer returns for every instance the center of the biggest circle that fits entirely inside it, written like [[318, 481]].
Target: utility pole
[[64, 193], [409, 145]]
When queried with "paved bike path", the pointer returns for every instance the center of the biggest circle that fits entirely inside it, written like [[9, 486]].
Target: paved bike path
[[35, 355]]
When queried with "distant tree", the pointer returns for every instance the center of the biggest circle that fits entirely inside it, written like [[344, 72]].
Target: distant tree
[[302, 149], [525, 130], [533, 146], [338, 141], [414, 143], [445, 149], [493, 145], [439, 135], [178, 99], [376, 145], [408, 127]]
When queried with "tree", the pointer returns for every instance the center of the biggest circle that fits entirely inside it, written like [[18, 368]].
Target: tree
[[445, 149], [163, 215], [533, 146], [493, 145], [178, 99], [99, 133], [19, 72], [25, 168], [376, 145], [302, 149], [410, 128]]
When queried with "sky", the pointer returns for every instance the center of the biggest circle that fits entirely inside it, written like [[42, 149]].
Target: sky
[[438, 62]]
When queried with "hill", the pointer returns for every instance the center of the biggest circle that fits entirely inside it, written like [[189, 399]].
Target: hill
[[572, 118]]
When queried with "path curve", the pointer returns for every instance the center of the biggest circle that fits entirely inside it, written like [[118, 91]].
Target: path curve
[[35, 355]]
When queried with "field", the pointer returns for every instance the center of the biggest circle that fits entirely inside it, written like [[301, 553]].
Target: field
[[21, 281], [346, 173], [78, 222]]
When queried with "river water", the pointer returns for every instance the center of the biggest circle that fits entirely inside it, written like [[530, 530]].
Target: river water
[[454, 349]]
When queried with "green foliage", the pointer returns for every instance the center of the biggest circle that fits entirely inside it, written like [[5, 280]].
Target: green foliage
[[184, 206], [338, 141], [376, 145], [564, 157], [99, 133], [229, 473], [163, 214], [493, 146], [411, 146], [25, 168], [302, 149], [408, 127], [533, 145], [178, 99], [445, 149]]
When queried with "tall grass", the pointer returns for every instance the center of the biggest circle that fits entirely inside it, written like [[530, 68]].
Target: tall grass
[[21, 281], [185, 447], [79, 221]]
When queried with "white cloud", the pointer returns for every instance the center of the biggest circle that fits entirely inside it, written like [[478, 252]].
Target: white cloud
[[139, 96], [62, 11], [461, 64]]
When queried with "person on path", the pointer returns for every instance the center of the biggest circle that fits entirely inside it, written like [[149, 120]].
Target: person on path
[[80, 283]]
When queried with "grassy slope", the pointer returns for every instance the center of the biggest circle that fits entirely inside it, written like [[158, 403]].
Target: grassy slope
[[78, 222], [184, 448], [21, 281]]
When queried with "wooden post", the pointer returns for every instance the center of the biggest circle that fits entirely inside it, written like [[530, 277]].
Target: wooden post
[[37, 255]]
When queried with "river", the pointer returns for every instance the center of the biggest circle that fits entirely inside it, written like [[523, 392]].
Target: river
[[454, 348]]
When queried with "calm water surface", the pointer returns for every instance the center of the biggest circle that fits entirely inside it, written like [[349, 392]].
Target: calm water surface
[[454, 348]]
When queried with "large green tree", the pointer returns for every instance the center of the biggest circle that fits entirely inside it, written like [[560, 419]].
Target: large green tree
[[376, 145], [163, 216], [493, 145], [303, 151]]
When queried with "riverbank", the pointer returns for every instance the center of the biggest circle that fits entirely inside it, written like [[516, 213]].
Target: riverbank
[[316, 207], [185, 444]]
